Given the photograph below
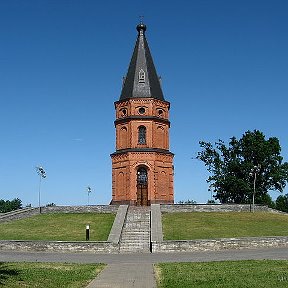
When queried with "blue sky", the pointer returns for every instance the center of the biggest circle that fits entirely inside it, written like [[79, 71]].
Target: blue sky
[[224, 68]]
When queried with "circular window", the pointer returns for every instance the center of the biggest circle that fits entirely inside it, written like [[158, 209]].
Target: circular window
[[142, 110], [123, 112]]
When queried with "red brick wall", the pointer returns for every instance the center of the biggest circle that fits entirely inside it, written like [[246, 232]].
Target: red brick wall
[[159, 165]]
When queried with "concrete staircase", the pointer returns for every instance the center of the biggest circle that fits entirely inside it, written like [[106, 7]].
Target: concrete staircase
[[135, 235]]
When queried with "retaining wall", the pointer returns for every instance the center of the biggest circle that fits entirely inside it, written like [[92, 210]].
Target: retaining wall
[[219, 244], [110, 246], [212, 208], [18, 214], [60, 246], [157, 244], [28, 212], [81, 209], [216, 244]]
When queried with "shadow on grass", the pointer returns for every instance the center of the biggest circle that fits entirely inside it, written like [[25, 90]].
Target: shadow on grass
[[6, 272]]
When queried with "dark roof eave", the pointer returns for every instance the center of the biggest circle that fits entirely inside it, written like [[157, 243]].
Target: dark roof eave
[[152, 98], [131, 118]]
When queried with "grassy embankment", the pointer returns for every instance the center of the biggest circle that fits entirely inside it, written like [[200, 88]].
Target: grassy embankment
[[48, 275], [207, 225], [59, 227], [225, 274]]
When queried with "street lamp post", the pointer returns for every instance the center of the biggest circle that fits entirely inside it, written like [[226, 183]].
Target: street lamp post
[[254, 172], [210, 189], [42, 174], [89, 190]]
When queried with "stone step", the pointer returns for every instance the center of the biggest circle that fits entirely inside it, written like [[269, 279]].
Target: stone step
[[137, 225], [134, 221], [135, 235], [134, 208], [139, 236], [133, 244], [136, 231], [129, 244], [135, 241], [135, 249], [138, 215], [137, 220], [129, 240], [125, 236]]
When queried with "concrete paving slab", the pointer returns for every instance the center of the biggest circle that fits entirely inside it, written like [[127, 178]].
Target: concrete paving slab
[[125, 276], [145, 258]]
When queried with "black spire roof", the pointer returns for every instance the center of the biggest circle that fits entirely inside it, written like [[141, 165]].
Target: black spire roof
[[141, 80]]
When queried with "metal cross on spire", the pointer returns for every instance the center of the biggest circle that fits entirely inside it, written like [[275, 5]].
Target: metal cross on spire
[[141, 19]]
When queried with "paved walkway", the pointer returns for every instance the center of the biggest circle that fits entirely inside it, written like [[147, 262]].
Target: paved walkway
[[125, 276], [150, 258], [135, 270]]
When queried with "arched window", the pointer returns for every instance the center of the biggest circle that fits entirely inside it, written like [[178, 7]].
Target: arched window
[[142, 176], [142, 135], [123, 139], [160, 137]]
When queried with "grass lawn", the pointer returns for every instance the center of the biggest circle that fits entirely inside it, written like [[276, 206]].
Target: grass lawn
[[228, 274], [207, 225], [48, 275], [59, 226]]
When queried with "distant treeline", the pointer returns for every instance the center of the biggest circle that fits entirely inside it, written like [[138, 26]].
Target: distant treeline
[[7, 206]]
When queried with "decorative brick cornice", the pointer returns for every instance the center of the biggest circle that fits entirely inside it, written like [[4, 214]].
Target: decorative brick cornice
[[119, 156], [142, 150], [142, 100]]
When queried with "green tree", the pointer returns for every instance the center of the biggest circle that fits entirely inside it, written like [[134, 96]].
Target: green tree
[[211, 201], [282, 203], [232, 167], [15, 204], [187, 202], [266, 199], [7, 206]]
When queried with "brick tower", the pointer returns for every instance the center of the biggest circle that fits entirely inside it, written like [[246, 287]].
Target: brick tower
[[142, 166]]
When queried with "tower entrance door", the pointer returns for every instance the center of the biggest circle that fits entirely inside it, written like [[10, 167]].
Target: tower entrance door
[[142, 187]]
